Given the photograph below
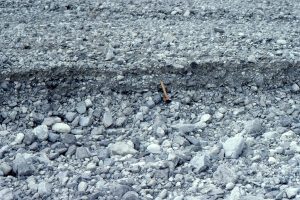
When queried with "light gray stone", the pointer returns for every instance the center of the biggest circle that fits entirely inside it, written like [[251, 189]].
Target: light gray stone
[[81, 107], [107, 119], [61, 128], [85, 121], [82, 186], [154, 148], [49, 121], [6, 194], [291, 192], [44, 188], [82, 152], [88, 103], [19, 138], [225, 174], [130, 195], [120, 121], [70, 116], [5, 168], [41, 132], [254, 127], [186, 128], [22, 166], [234, 146], [122, 148], [200, 162]]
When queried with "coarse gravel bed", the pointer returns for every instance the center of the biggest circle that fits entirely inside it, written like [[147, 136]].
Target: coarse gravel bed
[[82, 115]]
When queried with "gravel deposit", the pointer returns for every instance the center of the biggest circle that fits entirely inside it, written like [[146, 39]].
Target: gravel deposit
[[82, 115]]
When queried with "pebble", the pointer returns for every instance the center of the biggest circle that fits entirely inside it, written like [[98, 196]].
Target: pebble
[[200, 162], [82, 186], [154, 148], [186, 128], [120, 121], [281, 41], [88, 103], [295, 87], [254, 127], [61, 128], [121, 148], [225, 174], [130, 195], [291, 192], [6, 194], [41, 132], [107, 119], [85, 121], [5, 168], [44, 188], [68, 138], [206, 118], [109, 55], [82, 152], [19, 138], [81, 107], [234, 146], [70, 116], [22, 166], [49, 121]]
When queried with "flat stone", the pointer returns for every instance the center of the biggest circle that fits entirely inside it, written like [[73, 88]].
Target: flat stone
[[154, 148], [68, 138], [61, 128], [82, 152], [85, 121], [122, 148], [234, 146], [200, 162], [49, 121], [81, 107], [41, 132], [44, 188], [186, 128], [107, 119]]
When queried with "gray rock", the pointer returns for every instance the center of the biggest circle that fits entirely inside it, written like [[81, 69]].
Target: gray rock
[[119, 190], [120, 121], [6, 194], [81, 107], [5, 168], [49, 121], [131, 195], [82, 186], [98, 130], [19, 138], [22, 166], [154, 148], [186, 128], [200, 162], [68, 138], [234, 146], [61, 128], [121, 148], [29, 138], [88, 103], [41, 132], [44, 188], [295, 87], [85, 121], [107, 119], [224, 174], [109, 55], [82, 152], [291, 192], [70, 116], [53, 137], [254, 127]]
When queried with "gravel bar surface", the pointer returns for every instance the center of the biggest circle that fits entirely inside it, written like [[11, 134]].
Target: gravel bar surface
[[82, 114]]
